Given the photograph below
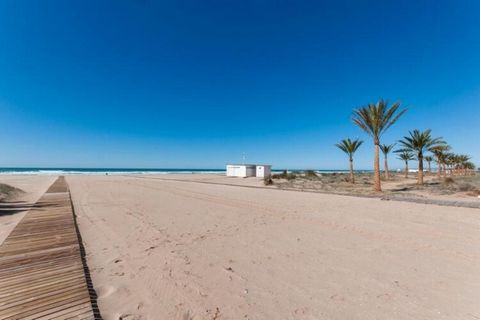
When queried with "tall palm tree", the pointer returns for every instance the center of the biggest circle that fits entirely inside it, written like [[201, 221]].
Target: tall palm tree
[[419, 142], [405, 155], [429, 160], [386, 148], [350, 147], [375, 119]]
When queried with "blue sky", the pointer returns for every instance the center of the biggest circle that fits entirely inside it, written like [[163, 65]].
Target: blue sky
[[198, 83]]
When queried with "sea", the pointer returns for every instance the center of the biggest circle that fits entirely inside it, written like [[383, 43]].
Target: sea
[[124, 171]]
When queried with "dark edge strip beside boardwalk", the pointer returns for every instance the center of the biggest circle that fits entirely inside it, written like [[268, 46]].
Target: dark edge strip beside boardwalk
[[43, 272]]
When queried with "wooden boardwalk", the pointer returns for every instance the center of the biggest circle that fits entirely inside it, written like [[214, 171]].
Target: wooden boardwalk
[[42, 271]]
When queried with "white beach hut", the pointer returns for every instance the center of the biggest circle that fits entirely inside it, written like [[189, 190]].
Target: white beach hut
[[248, 170], [241, 170], [263, 170]]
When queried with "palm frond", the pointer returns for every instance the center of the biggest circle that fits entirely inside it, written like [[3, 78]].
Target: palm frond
[[376, 118], [349, 146]]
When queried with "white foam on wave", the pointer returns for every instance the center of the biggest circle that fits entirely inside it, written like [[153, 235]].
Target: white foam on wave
[[98, 172]]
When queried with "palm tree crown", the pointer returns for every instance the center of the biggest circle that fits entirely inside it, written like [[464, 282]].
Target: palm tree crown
[[376, 118], [387, 148], [420, 141], [428, 158], [349, 146], [405, 155]]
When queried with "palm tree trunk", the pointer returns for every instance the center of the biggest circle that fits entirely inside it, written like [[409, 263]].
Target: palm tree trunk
[[376, 168], [352, 176], [406, 169], [387, 176], [429, 167], [420, 169], [439, 169]]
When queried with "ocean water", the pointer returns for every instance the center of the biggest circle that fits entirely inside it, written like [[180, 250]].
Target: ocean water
[[123, 171], [102, 171]]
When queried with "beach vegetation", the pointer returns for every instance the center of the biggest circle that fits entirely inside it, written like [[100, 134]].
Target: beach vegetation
[[386, 149], [440, 153], [310, 174], [350, 147], [268, 181], [420, 142], [405, 156], [429, 160], [8, 192], [284, 175]]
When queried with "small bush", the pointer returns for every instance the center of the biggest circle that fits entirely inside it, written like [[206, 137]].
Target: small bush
[[466, 187], [448, 181], [284, 175], [267, 181], [474, 193], [7, 191], [310, 174], [291, 176]]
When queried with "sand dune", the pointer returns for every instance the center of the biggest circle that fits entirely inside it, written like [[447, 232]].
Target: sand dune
[[14, 210], [182, 250]]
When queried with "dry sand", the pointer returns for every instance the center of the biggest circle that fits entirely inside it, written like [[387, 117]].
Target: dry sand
[[13, 210], [167, 249]]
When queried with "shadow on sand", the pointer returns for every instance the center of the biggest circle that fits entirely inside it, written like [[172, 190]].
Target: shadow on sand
[[13, 207]]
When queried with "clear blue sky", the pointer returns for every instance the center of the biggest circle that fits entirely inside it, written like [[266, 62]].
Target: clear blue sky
[[197, 83]]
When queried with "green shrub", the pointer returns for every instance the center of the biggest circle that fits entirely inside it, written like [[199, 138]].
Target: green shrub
[[448, 181], [310, 174], [267, 181], [466, 187], [283, 175], [291, 176]]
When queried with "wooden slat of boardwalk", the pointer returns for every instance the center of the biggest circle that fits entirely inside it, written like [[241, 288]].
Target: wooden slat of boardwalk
[[42, 275]]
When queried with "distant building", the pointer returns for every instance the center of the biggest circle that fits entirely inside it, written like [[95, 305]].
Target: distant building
[[248, 170], [263, 170]]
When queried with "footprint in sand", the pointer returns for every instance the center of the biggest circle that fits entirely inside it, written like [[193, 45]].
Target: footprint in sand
[[105, 291], [130, 317]]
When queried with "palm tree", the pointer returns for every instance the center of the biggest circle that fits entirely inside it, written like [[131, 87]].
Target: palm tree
[[386, 148], [460, 161], [429, 160], [406, 156], [448, 163], [440, 153], [349, 147], [420, 142], [469, 166], [375, 119]]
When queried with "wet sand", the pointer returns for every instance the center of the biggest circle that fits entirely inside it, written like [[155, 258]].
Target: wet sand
[[167, 249]]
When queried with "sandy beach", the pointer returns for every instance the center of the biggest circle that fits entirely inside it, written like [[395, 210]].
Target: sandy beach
[[239, 160], [178, 249]]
